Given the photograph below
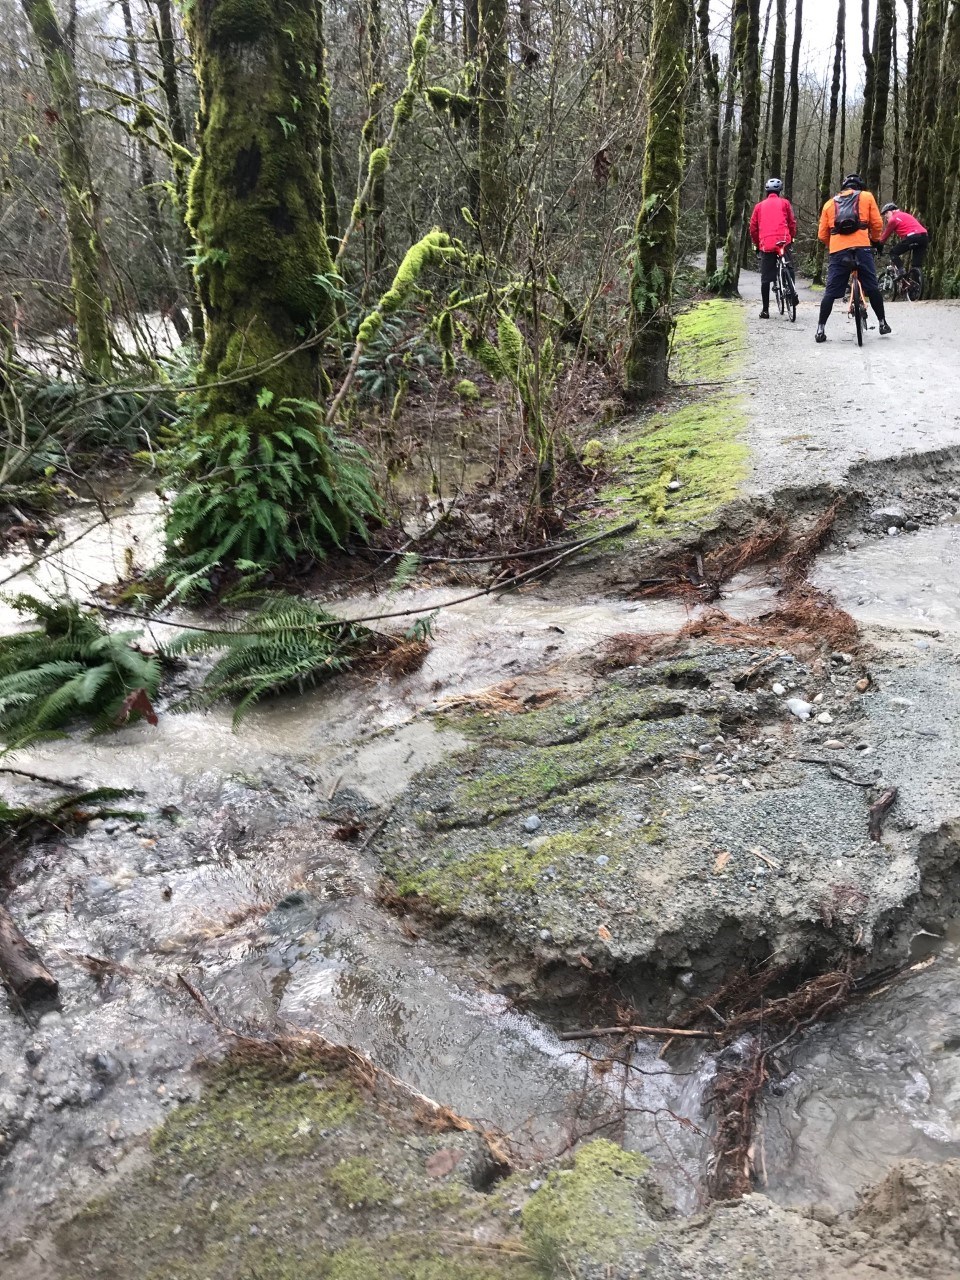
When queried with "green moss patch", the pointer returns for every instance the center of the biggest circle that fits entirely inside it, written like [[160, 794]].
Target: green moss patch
[[594, 1212], [693, 444]]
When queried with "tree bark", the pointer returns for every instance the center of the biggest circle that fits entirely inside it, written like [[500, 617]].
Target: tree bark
[[723, 164], [170, 305], [711, 83], [794, 101], [21, 968], [494, 187], [869, 63], [375, 224], [655, 239], [942, 161], [747, 21], [827, 175], [84, 241], [177, 124], [883, 42], [777, 89]]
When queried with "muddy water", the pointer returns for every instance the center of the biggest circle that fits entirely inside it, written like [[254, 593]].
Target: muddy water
[[233, 883]]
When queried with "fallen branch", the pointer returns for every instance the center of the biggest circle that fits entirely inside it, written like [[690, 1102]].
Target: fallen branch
[[879, 810], [22, 970], [589, 1033]]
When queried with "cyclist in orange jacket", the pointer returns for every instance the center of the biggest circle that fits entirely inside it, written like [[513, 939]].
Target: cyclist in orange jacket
[[849, 222], [773, 223]]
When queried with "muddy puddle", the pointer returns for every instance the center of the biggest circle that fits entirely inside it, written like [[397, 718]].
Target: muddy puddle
[[232, 883]]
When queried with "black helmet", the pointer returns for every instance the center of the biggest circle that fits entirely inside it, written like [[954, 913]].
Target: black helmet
[[773, 184], [852, 180], [890, 208]]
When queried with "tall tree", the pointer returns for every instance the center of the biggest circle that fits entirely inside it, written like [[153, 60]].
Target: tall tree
[[711, 83], [84, 241], [148, 185], [655, 239], [374, 225], [723, 162], [896, 108], [869, 63], [777, 89], [883, 45], [494, 187], [827, 175], [266, 482], [747, 24], [941, 159], [794, 100]]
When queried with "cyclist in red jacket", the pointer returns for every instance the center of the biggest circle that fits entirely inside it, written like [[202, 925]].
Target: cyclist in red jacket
[[773, 223], [912, 234]]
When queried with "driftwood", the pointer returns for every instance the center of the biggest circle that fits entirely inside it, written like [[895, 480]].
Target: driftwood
[[878, 811], [588, 1033], [22, 970]]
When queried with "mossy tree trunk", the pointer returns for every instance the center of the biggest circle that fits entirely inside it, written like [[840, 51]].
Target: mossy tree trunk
[[265, 479], [494, 185], [943, 160], [331, 210], [747, 24], [375, 223], [84, 243], [869, 65], [794, 111], [655, 240], [897, 117], [711, 82], [777, 89], [827, 175], [883, 43]]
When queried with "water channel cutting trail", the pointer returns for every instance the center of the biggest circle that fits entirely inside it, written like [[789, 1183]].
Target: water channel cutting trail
[[234, 881]]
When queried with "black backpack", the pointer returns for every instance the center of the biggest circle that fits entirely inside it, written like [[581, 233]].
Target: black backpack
[[846, 218]]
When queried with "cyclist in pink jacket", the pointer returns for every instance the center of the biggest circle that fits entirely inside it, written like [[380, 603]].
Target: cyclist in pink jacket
[[911, 233], [773, 223]]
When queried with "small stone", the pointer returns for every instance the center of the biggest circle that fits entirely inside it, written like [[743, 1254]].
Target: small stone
[[824, 718], [546, 935], [34, 1054], [778, 689], [818, 699], [674, 485], [900, 702], [824, 1213], [911, 526], [888, 517], [800, 708], [535, 1185], [602, 860], [921, 644], [845, 658], [863, 685], [892, 531], [533, 823], [833, 744]]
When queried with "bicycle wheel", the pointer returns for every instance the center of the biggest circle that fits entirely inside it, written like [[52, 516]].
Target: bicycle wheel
[[858, 313], [915, 284], [791, 303], [778, 288]]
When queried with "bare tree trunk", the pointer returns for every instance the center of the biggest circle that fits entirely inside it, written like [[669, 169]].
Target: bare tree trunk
[[881, 93], [21, 968], [869, 63], [777, 89], [494, 187], [747, 20], [84, 241], [723, 165], [827, 175], [655, 241], [711, 83], [170, 305], [843, 109], [177, 124], [794, 100]]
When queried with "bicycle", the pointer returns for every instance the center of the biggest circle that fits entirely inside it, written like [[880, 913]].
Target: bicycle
[[897, 284], [857, 306], [783, 286]]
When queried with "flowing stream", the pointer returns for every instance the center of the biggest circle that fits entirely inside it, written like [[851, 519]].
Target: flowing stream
[[292, 936]]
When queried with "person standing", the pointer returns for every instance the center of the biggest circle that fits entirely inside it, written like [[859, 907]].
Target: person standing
[[849, 223], [773, 223]]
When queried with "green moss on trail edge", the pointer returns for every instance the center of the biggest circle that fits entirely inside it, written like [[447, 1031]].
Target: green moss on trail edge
[[693, 441], [309, 1177]]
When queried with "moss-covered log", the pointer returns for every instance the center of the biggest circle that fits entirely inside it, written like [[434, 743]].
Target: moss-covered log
[[90, 303], [655, 239], [266, 484]]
